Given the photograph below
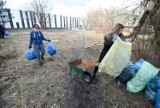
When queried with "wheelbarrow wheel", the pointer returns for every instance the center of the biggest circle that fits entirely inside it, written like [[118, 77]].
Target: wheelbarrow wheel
[[87, 77]]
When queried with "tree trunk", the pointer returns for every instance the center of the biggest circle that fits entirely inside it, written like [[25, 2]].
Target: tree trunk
[[151, 12], [151, 8], [155, 21]]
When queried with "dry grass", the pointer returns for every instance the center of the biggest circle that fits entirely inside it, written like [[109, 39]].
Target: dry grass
[[25, 84]]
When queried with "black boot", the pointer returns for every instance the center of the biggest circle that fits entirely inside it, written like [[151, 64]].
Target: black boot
[[94, 79], [42, 58], [40, 63]]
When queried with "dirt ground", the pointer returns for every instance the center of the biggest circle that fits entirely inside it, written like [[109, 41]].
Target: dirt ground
[[24, 84]]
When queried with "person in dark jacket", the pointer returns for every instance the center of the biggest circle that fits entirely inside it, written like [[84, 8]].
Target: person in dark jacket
[[108, 41], [2, 31], [36, 38]]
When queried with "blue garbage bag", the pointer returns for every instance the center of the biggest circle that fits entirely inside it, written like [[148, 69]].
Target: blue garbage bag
[[6, 33], [150, 94], [151, 89], [128, 72], [30, 54], [139, 63], [153, 83], [51, 49], [157, 105]]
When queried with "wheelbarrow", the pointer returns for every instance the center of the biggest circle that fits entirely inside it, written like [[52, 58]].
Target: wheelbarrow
[[82, 66]]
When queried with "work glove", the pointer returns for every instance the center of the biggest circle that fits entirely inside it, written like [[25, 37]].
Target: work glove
[[49, 40], [115, 37]]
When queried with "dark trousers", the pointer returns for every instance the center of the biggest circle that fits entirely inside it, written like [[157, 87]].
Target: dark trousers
[[103, 53], [107, 46], [1, 34]]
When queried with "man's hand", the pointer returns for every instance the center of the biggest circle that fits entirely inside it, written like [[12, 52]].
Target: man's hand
[[49, 40]]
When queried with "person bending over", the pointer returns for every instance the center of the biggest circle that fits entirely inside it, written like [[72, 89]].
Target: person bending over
[[108, 42]]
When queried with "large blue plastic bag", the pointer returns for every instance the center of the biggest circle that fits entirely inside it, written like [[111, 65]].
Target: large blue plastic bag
[[51, 49], [151, 89], [128, 72], [158, 99], [142, 77], [158, 96], [116, 59], [30, 54], [150, 94], [139, 63], [6, 33], [153, 83]]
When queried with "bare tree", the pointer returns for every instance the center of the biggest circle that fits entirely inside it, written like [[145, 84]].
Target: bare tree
[[147, 26], [102, 20], [40, 8], [3, 13]]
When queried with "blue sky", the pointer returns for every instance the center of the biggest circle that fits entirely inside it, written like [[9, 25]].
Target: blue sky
[[75, 7]]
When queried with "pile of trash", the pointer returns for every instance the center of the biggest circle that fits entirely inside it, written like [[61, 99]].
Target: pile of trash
[[142, 75], [139, 76]]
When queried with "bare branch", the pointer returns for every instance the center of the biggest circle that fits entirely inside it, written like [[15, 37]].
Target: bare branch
[[40, 8]]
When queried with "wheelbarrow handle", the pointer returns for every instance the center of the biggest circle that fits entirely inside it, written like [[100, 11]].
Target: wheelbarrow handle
[[71, 75], [64, 57]]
